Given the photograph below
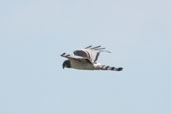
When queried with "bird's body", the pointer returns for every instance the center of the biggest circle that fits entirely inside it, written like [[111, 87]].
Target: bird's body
[[86, 59], [81, 65]]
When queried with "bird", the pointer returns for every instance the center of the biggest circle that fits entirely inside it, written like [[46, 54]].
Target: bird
[[86, 59]]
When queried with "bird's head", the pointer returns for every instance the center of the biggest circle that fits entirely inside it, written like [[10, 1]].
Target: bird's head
[[66, 64]]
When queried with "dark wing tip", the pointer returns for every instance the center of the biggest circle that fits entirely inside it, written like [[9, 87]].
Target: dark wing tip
[[63, 54], [96, 47], [100, 48], [119, 69], [88, 46]]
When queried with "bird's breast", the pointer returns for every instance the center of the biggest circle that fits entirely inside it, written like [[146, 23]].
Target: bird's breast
[[81, 65]]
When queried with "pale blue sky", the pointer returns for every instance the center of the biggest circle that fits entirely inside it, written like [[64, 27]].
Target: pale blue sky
[[34, 33]]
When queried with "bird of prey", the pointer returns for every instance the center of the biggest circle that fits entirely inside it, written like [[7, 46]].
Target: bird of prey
[[86, 59]]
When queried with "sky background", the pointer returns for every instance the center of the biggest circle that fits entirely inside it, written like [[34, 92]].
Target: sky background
[[33, 34]]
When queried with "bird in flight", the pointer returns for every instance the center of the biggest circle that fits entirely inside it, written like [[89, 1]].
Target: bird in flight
[[86, 59]]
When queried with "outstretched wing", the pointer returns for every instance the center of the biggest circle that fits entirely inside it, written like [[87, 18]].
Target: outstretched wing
[[77, 58], [92, 53]]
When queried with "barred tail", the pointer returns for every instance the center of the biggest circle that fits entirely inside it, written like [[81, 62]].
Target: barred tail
[[104, 67]]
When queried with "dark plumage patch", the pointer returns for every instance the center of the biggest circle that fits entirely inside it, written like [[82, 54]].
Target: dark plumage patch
[[67, 55], [96, 57], [67, 64], [88, 47], [120, 69], [87, 60], [107, 67], [96, 47], [80, 53], [113, 68], [62, 54]]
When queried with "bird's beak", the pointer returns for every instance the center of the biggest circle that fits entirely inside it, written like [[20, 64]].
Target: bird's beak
[[63, 66]]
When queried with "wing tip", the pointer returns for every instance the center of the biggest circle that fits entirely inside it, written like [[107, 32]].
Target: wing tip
[[88, 46], [63, 54], [99, 47], [117, 69]]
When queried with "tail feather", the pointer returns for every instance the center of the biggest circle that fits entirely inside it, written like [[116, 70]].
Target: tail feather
[[104, 67]]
